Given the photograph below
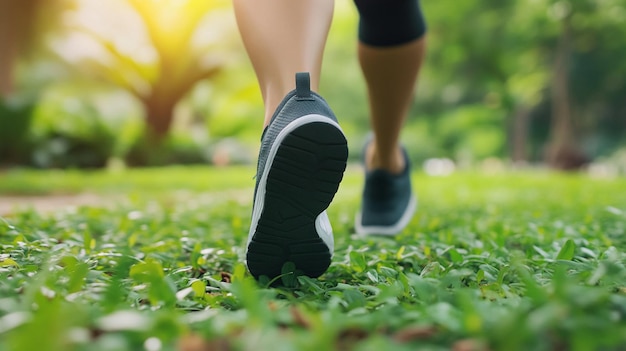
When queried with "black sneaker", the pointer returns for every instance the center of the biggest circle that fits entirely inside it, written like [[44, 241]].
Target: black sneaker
[[388, 202], [301, 163]]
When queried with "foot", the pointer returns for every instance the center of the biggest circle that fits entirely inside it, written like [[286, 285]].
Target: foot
[[388, 202], [393, 163], [301, 163]]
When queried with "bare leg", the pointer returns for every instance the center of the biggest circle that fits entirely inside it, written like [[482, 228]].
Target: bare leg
[[283, 37], [390, 73]]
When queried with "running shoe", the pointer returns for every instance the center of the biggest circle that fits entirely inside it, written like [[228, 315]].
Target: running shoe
[[388, 202], [301, 163]]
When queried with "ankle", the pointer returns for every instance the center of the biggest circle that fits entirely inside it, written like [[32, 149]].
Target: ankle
[[391, 161], [273, 96]]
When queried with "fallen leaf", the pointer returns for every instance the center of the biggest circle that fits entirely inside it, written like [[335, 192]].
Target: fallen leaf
[[299, 318], [226, 277], [194, 342], [469, 345], [347, 338], [414, 333]]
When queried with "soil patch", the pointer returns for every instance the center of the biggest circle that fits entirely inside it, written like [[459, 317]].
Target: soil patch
[[45, 203]]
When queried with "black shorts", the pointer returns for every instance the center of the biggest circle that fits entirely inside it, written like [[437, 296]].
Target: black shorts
[[390, 22]]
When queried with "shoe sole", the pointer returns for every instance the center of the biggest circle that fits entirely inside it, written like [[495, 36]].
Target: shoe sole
[[393, 229], [301, 176]]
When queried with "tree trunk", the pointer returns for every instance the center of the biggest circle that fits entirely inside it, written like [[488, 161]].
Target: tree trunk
[[148, 150], [159, 115], [17, 23], [562, 151], [8, 45], [519, 135], [7, 62]]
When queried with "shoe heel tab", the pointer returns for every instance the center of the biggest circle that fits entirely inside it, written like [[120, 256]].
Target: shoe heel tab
[[303, 86]]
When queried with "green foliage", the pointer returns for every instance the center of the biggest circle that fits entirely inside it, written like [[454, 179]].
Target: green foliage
[[530, 261], [72, 131], [15, 120], [484, 57], [236, 107], [473, 130], [131, 182], [175, 149]]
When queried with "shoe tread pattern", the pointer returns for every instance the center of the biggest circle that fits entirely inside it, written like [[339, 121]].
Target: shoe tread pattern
[[304, 177]]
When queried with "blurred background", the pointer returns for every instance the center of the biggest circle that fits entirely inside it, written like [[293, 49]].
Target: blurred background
[[126, 83]]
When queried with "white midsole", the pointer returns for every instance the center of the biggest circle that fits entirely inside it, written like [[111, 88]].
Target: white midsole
[[260, 194], [387, 230]]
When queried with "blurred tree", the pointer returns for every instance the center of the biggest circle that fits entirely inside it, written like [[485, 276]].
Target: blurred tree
[[481, 53], [22, 25], [549, 73], [597, 74], [587, 30], [527, 74], [14, 25], [562, 151], [521, 58], [178, 52]]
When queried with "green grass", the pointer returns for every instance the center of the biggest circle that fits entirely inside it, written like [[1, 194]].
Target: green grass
[[510, 261], [141, 180]]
